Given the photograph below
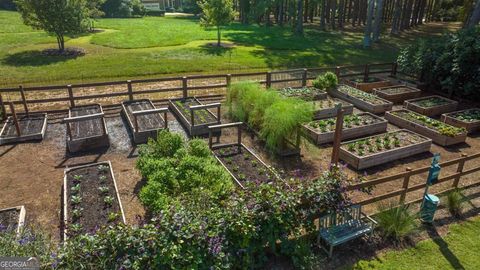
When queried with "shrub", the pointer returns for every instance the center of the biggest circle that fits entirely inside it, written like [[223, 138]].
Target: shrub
[[396, 222], [327, 80], [455, 202], [173, 168]]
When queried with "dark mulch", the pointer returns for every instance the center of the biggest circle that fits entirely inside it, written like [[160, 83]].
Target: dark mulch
[[29, 125], [67, 52]]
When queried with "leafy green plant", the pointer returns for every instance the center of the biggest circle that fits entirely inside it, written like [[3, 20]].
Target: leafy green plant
[[112, 216], [455, 202], [103, 168], [76, 199], [396, 221], [434, 124], [327, 80], [108, 200], [77, 212], [75, 189], [77, 178], [103, 189]]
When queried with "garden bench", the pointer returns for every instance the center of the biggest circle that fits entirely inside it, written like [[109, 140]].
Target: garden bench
[[339, 227]]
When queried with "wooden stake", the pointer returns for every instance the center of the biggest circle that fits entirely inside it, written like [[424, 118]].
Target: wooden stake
[[4, 111], [130, 90], [15, 119], [337, 139], [70, 95], [24, 100], [185, 87]]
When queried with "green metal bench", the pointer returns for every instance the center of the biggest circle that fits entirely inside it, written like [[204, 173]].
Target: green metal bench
[[340, 227]]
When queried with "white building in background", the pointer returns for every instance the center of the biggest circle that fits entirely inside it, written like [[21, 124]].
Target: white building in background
[[157, 5]]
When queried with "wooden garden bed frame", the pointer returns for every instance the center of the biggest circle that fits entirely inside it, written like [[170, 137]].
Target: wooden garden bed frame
[[140, 133], [193, 128], [431, 111], [217, 129], [332, 111], [437, 138], [347, 133], [66, 187], [397, 98], [368, 86], [77, 143], [363, 105], [21, 136], [21, 216], [367, 161], [469, 126]]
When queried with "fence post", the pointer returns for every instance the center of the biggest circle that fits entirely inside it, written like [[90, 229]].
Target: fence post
[[394, 69], [461, 164], [304, 77], [24, 100], [15, 119], [185, 87], [406, 180], [2, 106], [130, 90], [366, 73], [337, 72], [228, 79], [269, 79], [70, 95]]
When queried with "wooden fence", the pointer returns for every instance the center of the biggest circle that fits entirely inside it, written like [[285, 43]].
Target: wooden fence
[[59, 98], [414, 191]]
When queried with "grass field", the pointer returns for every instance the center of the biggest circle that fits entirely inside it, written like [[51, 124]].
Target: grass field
[[457, 250], [155, 46]]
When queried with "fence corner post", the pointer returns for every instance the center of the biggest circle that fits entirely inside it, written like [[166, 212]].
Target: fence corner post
[[269, 79], [228, 79], [394, 69], [337, 72], [130, 90], [304, 77], [406, 181], [366, 72], [461, 164], [185, 86], [70, 95]]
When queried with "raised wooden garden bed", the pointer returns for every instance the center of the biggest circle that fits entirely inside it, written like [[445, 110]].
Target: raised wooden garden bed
[[383, 148], [12, 218], [144, 119], [90, 199], [364, 101], [468, 119], [354, 126], [431, 105], [195, 116], [325, 108], [242, 164], [307, 93], [369, 85], [441, 133], [86, 128], [397, 93], [30, 127]]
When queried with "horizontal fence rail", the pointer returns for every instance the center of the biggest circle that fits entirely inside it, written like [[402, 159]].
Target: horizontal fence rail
[[409, 188], [58, 98]]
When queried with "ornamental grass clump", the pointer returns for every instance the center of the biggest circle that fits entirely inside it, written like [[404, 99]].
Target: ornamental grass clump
[[396, 222], [455, 202]]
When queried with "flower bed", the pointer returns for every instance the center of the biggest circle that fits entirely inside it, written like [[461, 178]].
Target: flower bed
[[379, 149], [90, 199], [441, 133], [244, 165], [364, 101], [12, 218], [468, 119], [397, 93], [431, 105], [369, 85], [325, 108], [32, 127], [193, 115], [354, 126], [306, 93]]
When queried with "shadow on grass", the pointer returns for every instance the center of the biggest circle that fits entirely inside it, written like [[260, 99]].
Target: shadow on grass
[[213, 49], [34, 58], [444, 249]]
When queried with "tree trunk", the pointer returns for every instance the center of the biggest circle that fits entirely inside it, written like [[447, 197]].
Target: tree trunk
[[322, 14], [334, 12], [219, 36], [378, 21], [396, 17], [341, 14], [61, 42], [475, 17], [367, 40], [299, 28]]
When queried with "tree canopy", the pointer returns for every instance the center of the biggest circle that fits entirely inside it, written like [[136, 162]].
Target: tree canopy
[[217, 13]]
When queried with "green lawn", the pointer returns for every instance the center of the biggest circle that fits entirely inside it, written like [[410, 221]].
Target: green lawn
[[155, 46], [457, 250]]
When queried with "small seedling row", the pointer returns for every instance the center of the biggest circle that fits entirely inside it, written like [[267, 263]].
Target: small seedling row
[[307, 93], [468, 119], [90, 199], [364, 101], [32, 127], [144, 119], [383, 148], [369, 85], [194, 116], [397, 93], [325, 108], [431, 105], [12, 219], [354, 126], [86, 128], [441, 133]]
